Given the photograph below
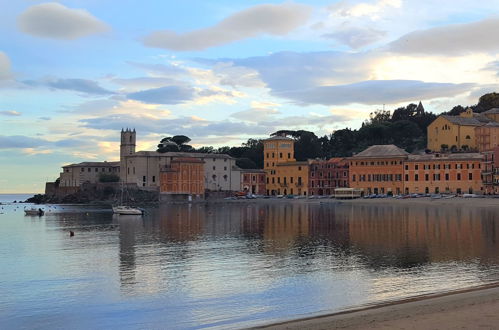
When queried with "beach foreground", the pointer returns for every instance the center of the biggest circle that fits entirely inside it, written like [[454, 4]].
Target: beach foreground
[[467, 309]]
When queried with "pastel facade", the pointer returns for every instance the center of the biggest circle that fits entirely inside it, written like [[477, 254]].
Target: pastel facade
[[183, 176], [326, 175], [468, 130], [284, 175], [490, 171], [253, 181], [378, 170], [455, 173], [75, 175]]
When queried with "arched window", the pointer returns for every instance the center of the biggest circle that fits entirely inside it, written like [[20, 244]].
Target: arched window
[[468, 137]]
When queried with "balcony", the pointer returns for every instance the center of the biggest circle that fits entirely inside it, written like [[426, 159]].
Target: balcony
[[284, 184]]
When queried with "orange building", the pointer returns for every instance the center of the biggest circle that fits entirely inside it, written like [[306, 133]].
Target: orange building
[[184, 176], [378, 170], [455, 173], [284, 174], [253, 181]]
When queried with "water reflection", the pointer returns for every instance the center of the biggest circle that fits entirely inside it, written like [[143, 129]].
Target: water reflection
[[243, 263]]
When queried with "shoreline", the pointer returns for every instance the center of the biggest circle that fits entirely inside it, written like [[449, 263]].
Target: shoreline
[[465, 308]]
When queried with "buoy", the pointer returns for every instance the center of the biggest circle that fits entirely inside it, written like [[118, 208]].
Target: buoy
[[71, 233]]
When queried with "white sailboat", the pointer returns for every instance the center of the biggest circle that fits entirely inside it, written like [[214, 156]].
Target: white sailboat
[[126, 209]]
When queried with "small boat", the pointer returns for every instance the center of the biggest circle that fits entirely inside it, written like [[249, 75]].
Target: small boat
[[127, 210], [34, 211]]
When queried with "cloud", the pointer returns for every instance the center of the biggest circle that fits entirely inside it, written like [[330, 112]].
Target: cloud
[[374, 92], [454, 39], [20, 141], [5, 67], [141, 83], [161, 70], [33, 151], [372, 10], [164, 95], [55, 21], [252, 22], [77, 85], [11, 113], [255, 114], [356, 37]]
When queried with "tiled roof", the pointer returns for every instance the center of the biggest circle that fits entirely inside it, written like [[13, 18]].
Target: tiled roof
[[493, 110], [463, 121], [443, 157], [94, 164], [381, 150]]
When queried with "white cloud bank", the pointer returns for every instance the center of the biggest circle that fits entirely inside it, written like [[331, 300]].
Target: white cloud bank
[[55, 21], [454, 39], [258, 20]]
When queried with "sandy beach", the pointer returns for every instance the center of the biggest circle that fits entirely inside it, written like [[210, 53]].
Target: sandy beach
[[467, 309]]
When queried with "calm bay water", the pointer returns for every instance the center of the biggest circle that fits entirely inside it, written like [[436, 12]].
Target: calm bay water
[[232, 265]]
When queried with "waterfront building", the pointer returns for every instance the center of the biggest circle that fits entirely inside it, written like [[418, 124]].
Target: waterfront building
[[325, 175], [378, 170], [455, 173], [490, 171], [143, 167], [253, 181], [183, 176], [284, 175], [74, 175]]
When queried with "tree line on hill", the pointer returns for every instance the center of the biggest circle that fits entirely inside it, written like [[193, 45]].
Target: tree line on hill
[[405, 127]]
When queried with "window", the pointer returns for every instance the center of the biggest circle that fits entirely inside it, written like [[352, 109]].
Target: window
[[406, 167], [144, 178], [153, 178], [470, 176], [416, 177], [278, 179], [225, 168], [272, 155], [273, 180], [407, 177], [89, 169], [268, 180], [214, 177], [416, 167], [267, 155], [291, 179], [280, 155], [446, 176], [427, 177], [299, 168], [225, 177], [214, 168], [459, 176], [289, 155], [353, 177]]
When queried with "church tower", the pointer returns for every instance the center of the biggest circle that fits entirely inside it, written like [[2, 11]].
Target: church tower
[[127, 147]]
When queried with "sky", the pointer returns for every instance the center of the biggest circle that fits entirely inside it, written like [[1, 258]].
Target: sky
[[74, 73]]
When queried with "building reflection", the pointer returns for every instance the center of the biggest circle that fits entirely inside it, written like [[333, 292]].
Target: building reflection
[[302, 236]]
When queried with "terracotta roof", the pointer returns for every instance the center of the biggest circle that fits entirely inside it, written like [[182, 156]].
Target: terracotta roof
[[445, 157], [336, 160], [381, 150], [94, 164]]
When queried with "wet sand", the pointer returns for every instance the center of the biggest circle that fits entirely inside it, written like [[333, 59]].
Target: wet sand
[[467, 309]]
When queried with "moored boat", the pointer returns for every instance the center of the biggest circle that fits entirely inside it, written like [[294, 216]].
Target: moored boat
[[127, 210], [34, 211]]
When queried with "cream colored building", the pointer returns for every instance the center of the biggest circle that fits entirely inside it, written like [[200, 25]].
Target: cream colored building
[[143, 167], [468, 130], [74, 175]]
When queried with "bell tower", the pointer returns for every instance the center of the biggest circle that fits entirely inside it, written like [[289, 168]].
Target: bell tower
[[127, 148]]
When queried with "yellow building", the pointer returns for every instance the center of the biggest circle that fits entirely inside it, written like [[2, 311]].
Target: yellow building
[[455, 132], [285, 176]]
